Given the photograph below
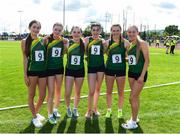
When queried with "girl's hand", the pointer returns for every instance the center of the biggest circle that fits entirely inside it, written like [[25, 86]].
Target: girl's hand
[[46, 39], [65, 41], [27, 81], [140, 80]]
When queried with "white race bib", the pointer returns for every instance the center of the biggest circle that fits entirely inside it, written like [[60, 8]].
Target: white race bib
[[39, 55], [95, 50], [132, 60], [56, 52], [116, 58], [75, 60]]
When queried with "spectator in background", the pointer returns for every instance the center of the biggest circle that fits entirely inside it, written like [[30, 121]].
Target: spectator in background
[[172, 44]]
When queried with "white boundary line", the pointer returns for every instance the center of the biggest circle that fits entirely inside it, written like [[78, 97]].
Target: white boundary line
[[85, 96]]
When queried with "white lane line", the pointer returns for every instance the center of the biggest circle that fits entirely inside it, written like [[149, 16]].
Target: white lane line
[[85, 96]]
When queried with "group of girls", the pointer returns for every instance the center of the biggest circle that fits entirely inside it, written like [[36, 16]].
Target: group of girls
[[44, 66]]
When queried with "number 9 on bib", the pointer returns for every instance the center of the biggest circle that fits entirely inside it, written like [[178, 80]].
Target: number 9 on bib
[[116, 58], [132, 60], [75, 60], [39, 55]]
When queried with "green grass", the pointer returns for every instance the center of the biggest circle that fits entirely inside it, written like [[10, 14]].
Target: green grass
[[160, 109]]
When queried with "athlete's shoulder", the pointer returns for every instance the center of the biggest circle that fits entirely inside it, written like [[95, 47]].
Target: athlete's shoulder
[[23, 41], [126, 43], [143, 44]]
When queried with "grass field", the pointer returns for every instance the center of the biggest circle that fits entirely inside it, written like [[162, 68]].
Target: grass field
[[160, 107]]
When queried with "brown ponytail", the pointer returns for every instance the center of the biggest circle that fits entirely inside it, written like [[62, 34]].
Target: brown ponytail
[[82, 48], [28, 45]]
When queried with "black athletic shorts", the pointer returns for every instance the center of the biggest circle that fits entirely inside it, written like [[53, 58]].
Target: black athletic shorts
[[96, 69], [52, 72], [117, 73], [137, 75], [40, 74], [75, 73]]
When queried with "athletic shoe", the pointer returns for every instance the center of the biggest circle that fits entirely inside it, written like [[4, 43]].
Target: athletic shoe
[[69, 112], [130, 125], [120, 114], [56, 114], [75, 112], [40, 117], [88, 114], [36, 122], [52, 120], [96, 113], [108, 114], [137, 120]]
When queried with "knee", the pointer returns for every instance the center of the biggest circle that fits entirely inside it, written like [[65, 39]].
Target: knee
[[42, 97], [31, 96], [133, 98], [50, 94], [108, 92], [91, 93], [67, 95], [121, 93], [98, 89], [78, 95]]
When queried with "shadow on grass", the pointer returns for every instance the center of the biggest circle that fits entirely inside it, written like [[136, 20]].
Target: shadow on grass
[[62, 125], [47, 128], [72, 126], [29, 129], [108, 126], [92, 125], [121, 129]]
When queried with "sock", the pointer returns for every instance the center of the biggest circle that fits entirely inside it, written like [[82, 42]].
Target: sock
[[119, 110], [50, 115], [55, 110]]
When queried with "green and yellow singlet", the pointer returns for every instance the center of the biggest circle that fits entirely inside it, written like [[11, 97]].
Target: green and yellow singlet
[[75, 58], [116, 56], [37, 58], [95, 53], [55, 51], [134, 66]]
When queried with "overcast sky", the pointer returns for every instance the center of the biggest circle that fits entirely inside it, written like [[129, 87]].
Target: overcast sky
[[153, 13]]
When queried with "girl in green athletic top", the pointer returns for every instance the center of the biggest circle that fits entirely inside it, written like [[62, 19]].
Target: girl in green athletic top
[[116, 68], [95, 60], [55, 50], [74, 70], [138, 60], [34, 60]]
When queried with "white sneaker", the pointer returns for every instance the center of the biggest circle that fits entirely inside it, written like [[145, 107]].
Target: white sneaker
[[75, 112], [69, 112], [88, 114], [40, 117], [96, 113], [129, 125], [36, 122], [137, 120], [56, 114]]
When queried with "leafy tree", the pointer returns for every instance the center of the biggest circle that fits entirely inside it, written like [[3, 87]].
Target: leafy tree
[[171, 30]]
